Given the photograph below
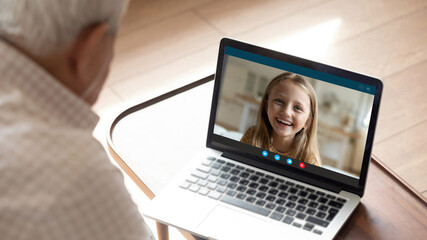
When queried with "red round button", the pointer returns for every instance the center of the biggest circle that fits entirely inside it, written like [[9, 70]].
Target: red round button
[[301, 165]]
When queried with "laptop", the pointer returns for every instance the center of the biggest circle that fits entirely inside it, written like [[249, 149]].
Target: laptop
[[256, 178]]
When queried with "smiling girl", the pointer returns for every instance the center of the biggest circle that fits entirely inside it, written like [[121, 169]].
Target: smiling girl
[[287, 120]]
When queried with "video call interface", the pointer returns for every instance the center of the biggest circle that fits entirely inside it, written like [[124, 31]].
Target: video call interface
[[294, 115]]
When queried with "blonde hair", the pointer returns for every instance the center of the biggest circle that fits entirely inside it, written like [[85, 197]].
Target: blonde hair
[[304, 147]]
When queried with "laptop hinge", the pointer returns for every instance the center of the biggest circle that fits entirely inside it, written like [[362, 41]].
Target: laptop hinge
[[283, 172]]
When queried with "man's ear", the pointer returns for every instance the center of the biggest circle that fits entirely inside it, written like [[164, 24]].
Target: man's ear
[[84, 46]]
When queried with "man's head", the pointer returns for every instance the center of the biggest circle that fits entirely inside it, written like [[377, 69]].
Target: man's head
[[72, 39]]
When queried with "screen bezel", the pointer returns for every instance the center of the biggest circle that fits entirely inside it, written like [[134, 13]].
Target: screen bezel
[[322, 177]]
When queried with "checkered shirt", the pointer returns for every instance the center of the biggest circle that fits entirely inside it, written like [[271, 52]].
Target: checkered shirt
[[56, 181]]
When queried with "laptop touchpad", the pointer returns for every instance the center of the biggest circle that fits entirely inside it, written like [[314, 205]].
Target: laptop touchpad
[[222, 223]]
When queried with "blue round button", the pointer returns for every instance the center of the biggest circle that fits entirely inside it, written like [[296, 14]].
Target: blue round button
[[289, 161], [277, 157], [265, 153]]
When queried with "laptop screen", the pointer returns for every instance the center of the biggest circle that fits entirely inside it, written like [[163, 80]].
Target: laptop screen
[[294, 114]]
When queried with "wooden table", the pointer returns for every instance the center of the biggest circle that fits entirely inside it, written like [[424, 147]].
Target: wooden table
[[153, 140]]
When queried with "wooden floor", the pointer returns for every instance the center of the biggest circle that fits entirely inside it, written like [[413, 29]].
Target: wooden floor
[[164, 44]]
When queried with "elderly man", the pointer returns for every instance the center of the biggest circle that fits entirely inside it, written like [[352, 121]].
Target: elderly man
[[56, 181]]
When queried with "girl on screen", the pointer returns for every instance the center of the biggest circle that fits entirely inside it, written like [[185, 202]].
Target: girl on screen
[[287, 119]]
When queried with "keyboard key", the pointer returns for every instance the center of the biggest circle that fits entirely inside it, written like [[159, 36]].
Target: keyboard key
[[288, 219], [240, 167], [300, 208], [204, 191], [225, 169], [260, 174], [253, 185], [270, 206], [204, 169], [216, 165], [220, 161], [322, 200], [280, 209], [230, 164], [320, 214], [221, 182], [251, 191], [232, 185], [273, 184], [261, 195], [290, 183], [280, 201], [244, 182], [298, 225], [293, 198], [231, 192], [245, 205], [185, 185], [260, 202], [202, 183], [283, 195], [200, 175], [214, 195], [290, 205], [241, 196], [316, 231], [310, 211], [215, 172], [207, 162], [308, 226], [234, 179], [212, 178], [263, 181], [273, 191], [263, 188], [192, 179], [194, 188], [241, 188], [313, 204], [320, 193], [323, 208], [211, 186], [299, 186], [293, 190], [335, 204], [270, 198], [279, 180], [225, 176], [302, 194], [303, 201], [317, 221], [310, 190], [254, 178], [291, 212], [330, 196], [269, 177], [244, 175], [341, 200], [312, 197], [249, 170], [221, 189], [301, 216], [235, 172], [283, 187], [250, 199], [276, 216]]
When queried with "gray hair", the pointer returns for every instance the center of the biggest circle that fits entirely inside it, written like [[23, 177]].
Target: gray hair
[[43, 26]]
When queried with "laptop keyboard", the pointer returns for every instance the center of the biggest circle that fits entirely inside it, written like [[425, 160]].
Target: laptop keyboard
[[276, 198]]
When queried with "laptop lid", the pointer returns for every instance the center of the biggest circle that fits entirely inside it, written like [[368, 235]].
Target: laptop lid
[[338, 130]]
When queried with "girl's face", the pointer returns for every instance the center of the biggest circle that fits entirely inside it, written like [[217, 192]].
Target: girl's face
[[288, 109]]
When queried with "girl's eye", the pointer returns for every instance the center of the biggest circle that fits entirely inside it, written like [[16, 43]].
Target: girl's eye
[[298, 108], [279, 101]]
